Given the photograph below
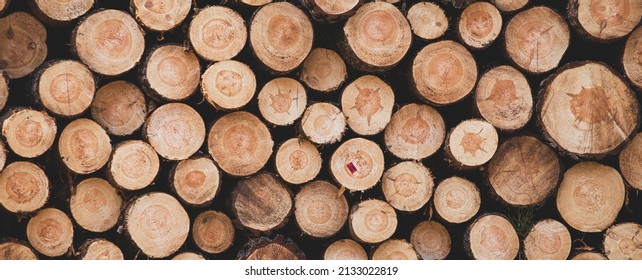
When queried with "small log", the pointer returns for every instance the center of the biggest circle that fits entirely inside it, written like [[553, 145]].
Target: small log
[[471, 144], [415, 132], [171, 73], [376, 37], [604, 20], [213, 232], [427, 20], [536, 39], [323, 123], [509, 6], [133, 165], [431, 240], [4, 89], [24, 187], [253, 3], [357, 164], [217, 33], [13, 250], [345, 249], [548, 240], [228, 85], [323, 70], [240, 144], [503, 98], [443, 73], [372, 221], [188, 256], [631, 162], [262, 202], [84, 146], [277, 248], [175, 130], [587, 110], [457, 200], [95, 205], [119, 107], [331, 11], [22, 45], [590, 196], [367, 104], [60, 12], [589, 256], [29, 133], [50, 232], [109, 42], [479, 25], [196, 181], [282, 101], [395, 249], [407, 186], [100, 249], [157, 224], [492, 237], [632, 58], [297, 161], [159, 15], [65, 88], [280, 36], [623, 242], [319, 211]]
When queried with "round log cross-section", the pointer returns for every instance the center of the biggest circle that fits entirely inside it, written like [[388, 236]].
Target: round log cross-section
[[24, 187], [175, 130], [133, 165], [29, 133], [357, 164], [547, 240], [84, 146], [345, 249], [171, 72], [119, 107], [213, 232], [319, 211], [623, 242], [196, 181], [395, 249], [228, 84], [282, 101], [407, 186], [15, 250], [217, 33], [65, 88], [262, 202], [297, 161], [95, 205], [492, 237], [323, 123], [372, 221], [604, 20], [60, 12], [431, 240], [22, 45], [631, 162], [427, 20], [160, 15], [323, 70], [479, 25], [50, 232], [367, 104], [457, 200], [100, 249], [415, 132]]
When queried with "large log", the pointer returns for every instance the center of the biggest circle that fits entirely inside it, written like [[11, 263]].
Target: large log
[[367, 104], [415, 132], [407, 186], [65, 88], [175, 130], [217, 33], [23, 44], [119, 107], [171, 72]]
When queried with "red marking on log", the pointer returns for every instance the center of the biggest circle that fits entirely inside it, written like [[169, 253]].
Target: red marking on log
[[352, 168]]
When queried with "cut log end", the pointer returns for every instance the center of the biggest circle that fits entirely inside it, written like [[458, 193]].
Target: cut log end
[[217, 33], [372, 221], [623, 242], [61, 12], [331, 11], [196, 181], [95, 205], [282, 101], [50, 232], [213, 232], [427, 20], [240, 144], [590, 196], [4, 89], [492, 237], [262, 202], [100, 249], [24, 187], [367, 103], [119, 107], [509, 6], [65, 88], [29, 133], [457, 200], [157, 223], [171, 72], [415, 132], [188, 256], [632, 58], [133, 165], [524, 171], [503, 98], [175, 130], [589, 256], [228, 85], [323, 70], [15, 250], [588, 110], [548, 240], [395, 249], [109, 42], [84, 146], [160, 15], [345, 249], [297, 161], [319, 210], [357, 164], [431, 240], [407, 186], [278, 248], [536, 39], [472, 143], [631, 162], [22, 45], [444, 73], [479, 25], [4, 4], [377, 37], [323, 123], [281, 36], [3, 155], [605, 20]]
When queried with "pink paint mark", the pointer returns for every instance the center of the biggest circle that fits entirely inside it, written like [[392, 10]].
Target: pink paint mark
[[352, 168]]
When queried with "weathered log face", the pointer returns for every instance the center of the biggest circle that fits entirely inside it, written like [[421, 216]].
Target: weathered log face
[[23, 48]]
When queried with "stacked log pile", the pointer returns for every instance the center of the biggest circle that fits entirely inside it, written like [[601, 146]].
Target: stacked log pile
[[320, 129]]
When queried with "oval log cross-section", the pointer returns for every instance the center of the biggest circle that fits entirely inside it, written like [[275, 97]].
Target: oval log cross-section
[[262, 202], [95, 205], [119, 107]]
